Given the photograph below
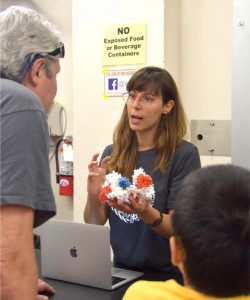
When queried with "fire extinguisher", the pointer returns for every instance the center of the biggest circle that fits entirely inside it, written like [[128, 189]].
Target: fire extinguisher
[[64, 166]]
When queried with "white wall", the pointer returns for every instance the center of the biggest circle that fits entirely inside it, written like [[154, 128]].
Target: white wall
[[198, 55], [94, 117], [241, 89], [206, 62], [197, 51], [172, 38], [191, 38]]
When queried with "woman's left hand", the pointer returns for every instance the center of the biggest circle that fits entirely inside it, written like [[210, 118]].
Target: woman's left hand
[[134, 206]]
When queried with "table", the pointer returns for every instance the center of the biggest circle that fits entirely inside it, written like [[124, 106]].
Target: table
[[71, 291]]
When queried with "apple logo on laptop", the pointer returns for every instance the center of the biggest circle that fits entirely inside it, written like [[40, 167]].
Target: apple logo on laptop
[[73, 252]]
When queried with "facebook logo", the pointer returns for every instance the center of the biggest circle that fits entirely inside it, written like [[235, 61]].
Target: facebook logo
[[113, 83]]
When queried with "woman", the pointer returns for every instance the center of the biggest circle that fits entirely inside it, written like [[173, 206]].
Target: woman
[[150, 134]]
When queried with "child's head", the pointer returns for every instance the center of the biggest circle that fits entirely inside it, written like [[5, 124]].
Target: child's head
[[211, 222]]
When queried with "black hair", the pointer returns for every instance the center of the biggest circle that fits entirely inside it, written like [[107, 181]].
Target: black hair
[[212, 219]]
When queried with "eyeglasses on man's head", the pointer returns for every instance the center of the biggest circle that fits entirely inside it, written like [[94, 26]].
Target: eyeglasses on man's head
[[59, 52]]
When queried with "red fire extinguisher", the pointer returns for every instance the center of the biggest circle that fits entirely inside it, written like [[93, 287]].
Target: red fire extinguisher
[[64, 166]]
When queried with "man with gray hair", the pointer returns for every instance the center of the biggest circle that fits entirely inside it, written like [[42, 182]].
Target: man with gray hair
[[30, 52]]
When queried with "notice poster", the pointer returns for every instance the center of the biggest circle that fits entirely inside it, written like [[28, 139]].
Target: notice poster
[[115, 82], [124, 44]]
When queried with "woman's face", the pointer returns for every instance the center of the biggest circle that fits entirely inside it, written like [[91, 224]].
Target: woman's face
[[145, 111]]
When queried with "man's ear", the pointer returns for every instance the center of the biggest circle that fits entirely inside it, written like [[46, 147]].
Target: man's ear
[[168, 107], [178, 254], [35, 71]]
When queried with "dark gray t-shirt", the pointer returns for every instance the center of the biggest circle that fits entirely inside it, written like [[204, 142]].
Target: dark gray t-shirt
[[25, 173], [135, 244]]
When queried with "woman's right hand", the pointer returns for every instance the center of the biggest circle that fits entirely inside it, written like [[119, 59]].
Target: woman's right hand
[[96, 176]]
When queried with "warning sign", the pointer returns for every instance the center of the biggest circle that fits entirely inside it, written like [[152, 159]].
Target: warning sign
[[125, 45]]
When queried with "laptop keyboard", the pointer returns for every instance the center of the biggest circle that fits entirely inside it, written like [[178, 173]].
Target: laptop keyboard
[[116, 280]]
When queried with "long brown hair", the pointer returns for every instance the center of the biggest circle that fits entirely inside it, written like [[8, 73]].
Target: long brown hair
[[171, 129]]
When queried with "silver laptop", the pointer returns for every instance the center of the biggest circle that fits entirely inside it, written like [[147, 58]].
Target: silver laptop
[[80, 253]]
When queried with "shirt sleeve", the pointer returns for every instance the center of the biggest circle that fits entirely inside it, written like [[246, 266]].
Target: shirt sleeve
[[188, 163], [106, 152], [25, 173]]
